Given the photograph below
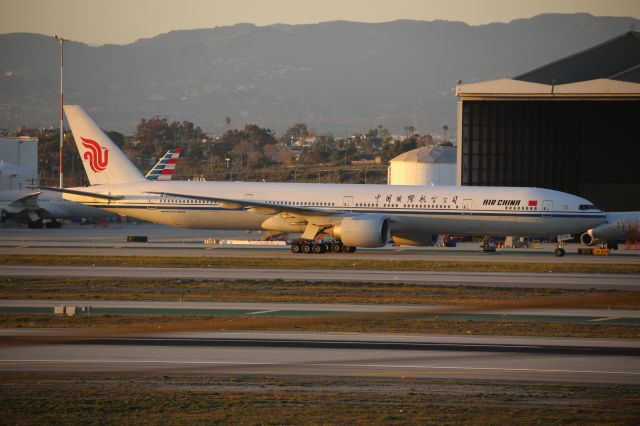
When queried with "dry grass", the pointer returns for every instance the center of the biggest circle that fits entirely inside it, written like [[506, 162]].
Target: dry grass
[[75, 398], [303, 292], [118, 325], [313, 263]]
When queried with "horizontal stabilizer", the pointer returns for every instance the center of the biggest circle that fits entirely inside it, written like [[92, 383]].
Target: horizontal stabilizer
[[81, 193]]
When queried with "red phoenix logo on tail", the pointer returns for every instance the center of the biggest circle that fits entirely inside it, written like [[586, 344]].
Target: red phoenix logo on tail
[[97, 155]]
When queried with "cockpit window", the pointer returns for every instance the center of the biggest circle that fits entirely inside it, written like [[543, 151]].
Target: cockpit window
[[588, 207]]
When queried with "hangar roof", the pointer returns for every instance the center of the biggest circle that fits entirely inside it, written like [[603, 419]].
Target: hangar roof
[[509, 88], [608, 70], [614, 59], [437, 154]]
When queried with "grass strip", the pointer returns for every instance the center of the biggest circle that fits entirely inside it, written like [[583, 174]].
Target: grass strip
[[301, 292], [312, 262], [117, 325], [213, 398]]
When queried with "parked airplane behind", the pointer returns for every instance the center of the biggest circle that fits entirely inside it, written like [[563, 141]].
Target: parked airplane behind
[[620, 226], [355, 215], [37, 207]]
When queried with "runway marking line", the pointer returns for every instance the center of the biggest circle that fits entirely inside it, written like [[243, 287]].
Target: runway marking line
[[421, 367]]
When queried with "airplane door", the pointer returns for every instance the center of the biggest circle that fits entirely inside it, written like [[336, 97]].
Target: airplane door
[[151, 201], [347, 201], [467, 205], [547, 207]]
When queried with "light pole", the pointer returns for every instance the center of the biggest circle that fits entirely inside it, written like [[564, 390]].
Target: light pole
[[60, 40]]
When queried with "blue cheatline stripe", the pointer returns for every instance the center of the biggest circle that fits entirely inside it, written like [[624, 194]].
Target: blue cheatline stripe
[[400, 211]]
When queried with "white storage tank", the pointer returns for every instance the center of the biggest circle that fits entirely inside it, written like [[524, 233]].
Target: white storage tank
[[18, 162], [424, 166]]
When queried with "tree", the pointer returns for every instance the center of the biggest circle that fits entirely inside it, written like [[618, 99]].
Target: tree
[[445, 128], [117, 138], [295, 132], [227, 121], [410, 130]]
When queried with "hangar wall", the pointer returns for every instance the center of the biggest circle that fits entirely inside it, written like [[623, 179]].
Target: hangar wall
[[582, 147]]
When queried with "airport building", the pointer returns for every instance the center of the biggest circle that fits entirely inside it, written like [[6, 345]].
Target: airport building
[[18, 162], [572, 125], [424, 166]]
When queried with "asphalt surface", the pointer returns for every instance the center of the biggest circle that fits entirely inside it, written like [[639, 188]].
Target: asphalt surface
[[336, 354], [480, 279], [167, 241]]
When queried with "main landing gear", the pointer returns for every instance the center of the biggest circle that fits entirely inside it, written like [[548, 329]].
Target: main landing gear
[[559, 251], [317, 247]]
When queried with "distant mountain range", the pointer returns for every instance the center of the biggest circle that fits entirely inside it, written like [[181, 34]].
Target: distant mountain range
[[335, 76]]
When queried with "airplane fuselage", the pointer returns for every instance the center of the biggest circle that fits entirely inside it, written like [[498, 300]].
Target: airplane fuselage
[[415, 212], [49, 205]]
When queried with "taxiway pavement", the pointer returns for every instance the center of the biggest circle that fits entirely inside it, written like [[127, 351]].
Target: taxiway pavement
[[334, 354], [167, 241]]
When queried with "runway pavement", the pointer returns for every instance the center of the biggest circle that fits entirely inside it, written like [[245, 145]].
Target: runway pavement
[[481, 279], [335, 354], [167, 241]]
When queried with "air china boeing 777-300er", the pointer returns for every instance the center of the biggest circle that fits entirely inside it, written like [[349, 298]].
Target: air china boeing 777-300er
[[354, 215]]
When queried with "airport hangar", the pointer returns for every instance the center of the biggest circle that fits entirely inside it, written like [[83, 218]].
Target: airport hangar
[[572, 125]]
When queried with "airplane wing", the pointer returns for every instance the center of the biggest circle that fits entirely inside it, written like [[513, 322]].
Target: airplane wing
[[255, 206], [81, 193], [163, 170], [28, 202]]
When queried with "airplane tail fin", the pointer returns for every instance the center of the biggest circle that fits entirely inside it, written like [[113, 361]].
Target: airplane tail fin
[[103, 161], [163, 170]]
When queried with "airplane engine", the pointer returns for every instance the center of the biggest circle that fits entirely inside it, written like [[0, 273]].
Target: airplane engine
[[363, 231], [619, 230], [414, 240], [587, 238], [3, 215]]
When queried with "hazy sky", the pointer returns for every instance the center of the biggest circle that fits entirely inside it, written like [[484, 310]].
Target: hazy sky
[[124, 21]]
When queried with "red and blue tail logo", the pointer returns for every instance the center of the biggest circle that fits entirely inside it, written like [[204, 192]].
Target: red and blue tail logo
[[97, 155]]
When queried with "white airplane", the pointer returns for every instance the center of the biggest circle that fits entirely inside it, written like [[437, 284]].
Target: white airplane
[[354, 215], [43, 208], [619, 226]]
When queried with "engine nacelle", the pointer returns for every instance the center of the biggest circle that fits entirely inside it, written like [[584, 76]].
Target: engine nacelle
[[413, 240], [363, 231], [4, 215], [587, 239]]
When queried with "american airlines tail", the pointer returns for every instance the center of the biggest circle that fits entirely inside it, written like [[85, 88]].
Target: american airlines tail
[[164, 168], [103, 161]]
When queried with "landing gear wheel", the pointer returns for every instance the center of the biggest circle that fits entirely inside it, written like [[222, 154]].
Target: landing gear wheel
[[35, 225], [295, 248], [317, 248], [352, 249], [306, 248], [559, 252], [346, 249], [336, 247]]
